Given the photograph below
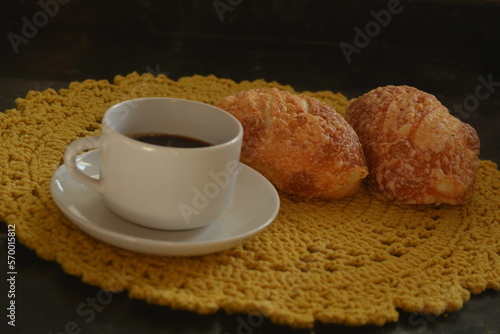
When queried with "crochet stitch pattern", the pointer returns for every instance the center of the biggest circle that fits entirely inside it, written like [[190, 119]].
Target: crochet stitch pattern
[[354, 261]]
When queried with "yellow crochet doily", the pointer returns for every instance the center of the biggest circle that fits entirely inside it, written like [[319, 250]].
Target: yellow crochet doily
[[355, 261]]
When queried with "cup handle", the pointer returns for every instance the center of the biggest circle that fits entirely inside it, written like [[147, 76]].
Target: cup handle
[[70, 155]]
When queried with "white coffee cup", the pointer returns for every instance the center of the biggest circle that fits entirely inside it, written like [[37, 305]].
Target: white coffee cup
[[160, 187]]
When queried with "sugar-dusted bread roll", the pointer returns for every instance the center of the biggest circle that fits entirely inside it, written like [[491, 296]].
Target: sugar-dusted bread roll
[[299, 143], [416, 151]]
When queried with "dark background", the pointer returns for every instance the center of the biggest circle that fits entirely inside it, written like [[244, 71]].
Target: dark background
[[442, 47]]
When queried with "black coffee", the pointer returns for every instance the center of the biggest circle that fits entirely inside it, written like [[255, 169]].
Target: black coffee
[[165, 139]]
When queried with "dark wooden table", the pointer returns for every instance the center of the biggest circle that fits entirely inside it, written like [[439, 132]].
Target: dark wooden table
[[447, 50]]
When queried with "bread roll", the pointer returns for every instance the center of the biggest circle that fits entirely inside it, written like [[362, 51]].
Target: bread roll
[[416, 151], [300, 144]]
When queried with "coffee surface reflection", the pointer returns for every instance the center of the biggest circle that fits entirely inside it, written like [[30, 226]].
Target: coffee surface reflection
[[169, 140]]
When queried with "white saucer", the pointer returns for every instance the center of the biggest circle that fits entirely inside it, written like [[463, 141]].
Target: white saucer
[[255, 206]]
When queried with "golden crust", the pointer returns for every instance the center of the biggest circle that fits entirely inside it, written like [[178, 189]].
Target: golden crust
[[299, 143], [416, 151]]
